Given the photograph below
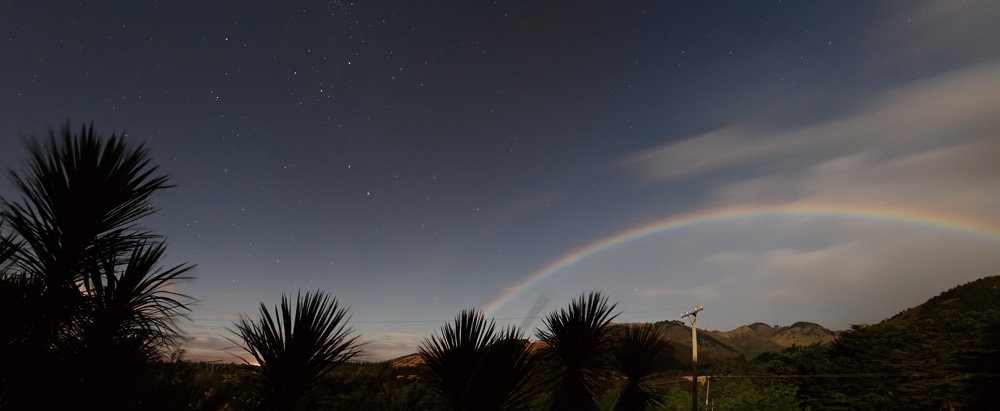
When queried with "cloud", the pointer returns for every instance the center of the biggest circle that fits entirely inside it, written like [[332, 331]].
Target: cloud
[[885, 271], [708, 152], [949, 110], [384, 346], [704, 293], [656, 292], [377, 347], [931, 145], [398, 336], [529, 205], [947, 162], [730, 260], [939, 32], [859, 272]]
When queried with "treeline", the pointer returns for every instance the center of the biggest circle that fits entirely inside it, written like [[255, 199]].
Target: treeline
[[946, 362], [943, 354]]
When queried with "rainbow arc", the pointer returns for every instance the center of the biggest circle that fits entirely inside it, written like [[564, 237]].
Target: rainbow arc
[[954, 223]]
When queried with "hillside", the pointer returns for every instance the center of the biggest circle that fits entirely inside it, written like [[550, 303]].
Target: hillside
[[749, 340], [979, 295], [760, 337], [710, 346], [410, 360], [942, 354]]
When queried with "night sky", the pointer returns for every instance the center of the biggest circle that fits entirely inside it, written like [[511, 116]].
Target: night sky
[[833, 162]]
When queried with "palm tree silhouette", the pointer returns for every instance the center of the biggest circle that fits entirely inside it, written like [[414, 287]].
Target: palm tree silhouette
[[577, 346], [641, 355], [472, 366], [82, 199], [75, 267], [130, 308], [294, 350]]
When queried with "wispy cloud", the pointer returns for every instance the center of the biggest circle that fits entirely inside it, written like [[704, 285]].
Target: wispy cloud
[[656, 292], [704, 292], [931, 144], [707, 293], [532, 204], [939, 31], [956, 108]]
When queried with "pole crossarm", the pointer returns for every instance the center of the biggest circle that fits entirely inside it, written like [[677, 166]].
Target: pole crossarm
[[693, 312]]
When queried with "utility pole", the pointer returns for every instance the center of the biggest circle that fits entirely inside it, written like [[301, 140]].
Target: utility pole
[[694, 356]]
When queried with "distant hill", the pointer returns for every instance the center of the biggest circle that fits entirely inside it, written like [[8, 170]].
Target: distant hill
[[752, 340], [749, 340], [410, 360], [979, 295], [942, 354], [710, 346]]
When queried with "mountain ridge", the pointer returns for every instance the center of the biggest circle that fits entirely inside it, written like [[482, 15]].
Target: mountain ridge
[[758, 338], [749, 340]]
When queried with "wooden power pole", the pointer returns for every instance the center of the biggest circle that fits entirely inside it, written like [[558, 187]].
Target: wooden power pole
[[694, 355]]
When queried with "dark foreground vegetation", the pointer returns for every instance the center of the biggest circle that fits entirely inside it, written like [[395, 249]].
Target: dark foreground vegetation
[[90, 323]]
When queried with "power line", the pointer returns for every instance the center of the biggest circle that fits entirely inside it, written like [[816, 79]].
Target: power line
[[234, 319], [855, 375]]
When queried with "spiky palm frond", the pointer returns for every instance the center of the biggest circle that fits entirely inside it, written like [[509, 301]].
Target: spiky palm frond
[[81, 195], [577, 346], [514, 368], [132, 308], [127, 320], [296, 348], [74, 227], [454, 360], [474, 367], [641, 355]]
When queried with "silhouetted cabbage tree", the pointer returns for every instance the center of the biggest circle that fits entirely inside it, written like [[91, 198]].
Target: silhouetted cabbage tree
[[130, 309], [295, 348], [82, 197], [75, 231], [577, 346], [641, 355], [474, 367]]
